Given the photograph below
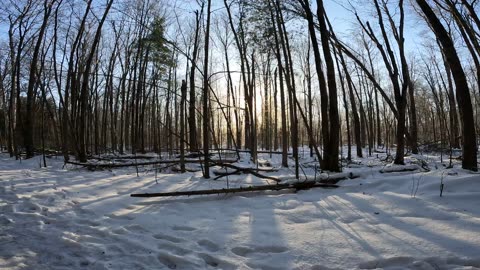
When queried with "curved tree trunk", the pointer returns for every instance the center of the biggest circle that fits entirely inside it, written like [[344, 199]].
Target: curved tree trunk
[[469, 161]]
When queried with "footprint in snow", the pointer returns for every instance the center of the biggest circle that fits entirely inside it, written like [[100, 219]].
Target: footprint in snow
[[271, 249], [88, 222], [122, 192], [6, 208], [183, 228], [50, 200], [124, 217], [84, 263], [288, 205], [26, 173], [319, 267], [298, 219], [27, 207], [176, 262], [242, 251], [120, 231], [137, 249], [4, 220], [349, 219], [168, 238], [114, 249], [136, 228], [216, 262], [254, 265], [171, 247], [208, 245], [245, 251], [40, 196], [61, 194], [80, 211]]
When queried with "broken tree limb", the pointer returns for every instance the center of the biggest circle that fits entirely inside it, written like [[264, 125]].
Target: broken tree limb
[[252, 171], [335, 178], [400, 168], [231, 166], [94, 166], [113, 157], [224, 174], [295, 186], [221, 174]]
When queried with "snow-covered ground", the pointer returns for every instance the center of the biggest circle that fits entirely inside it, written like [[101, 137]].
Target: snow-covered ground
[[72, 218]]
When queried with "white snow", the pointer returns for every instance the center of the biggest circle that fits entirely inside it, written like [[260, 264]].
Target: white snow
[[71, 218]]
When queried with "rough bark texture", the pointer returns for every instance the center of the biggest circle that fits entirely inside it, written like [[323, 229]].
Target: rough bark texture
[[206, 91]]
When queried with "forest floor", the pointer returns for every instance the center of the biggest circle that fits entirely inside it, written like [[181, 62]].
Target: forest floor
[[71, 218]]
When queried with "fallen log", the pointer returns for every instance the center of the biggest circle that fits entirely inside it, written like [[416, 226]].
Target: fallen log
[[220, 174], [109, 158], [176, 168], [400, 168], [252, 171], [247, 151], [94, 166], [334, 178], [229, 165], [296, 186]]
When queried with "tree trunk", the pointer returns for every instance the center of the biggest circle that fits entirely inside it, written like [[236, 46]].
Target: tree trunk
[[206, 173], [32, 83], [469, 161]]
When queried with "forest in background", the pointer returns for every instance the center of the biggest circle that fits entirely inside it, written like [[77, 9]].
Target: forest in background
[[85, 78]]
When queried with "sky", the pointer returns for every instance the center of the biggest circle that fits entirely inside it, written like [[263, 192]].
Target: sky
[[341, 18], [343, 21]]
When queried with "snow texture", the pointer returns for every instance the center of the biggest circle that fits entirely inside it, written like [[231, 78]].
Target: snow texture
[[71, 218]]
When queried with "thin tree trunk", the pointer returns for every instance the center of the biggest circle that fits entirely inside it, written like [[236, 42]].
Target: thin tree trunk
[[206, 173]]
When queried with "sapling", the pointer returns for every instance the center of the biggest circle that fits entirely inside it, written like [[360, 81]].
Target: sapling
[[136, 165], [418, 184], [441, 184], [303, 171], [415, 185], [156, 169], [441, 188]]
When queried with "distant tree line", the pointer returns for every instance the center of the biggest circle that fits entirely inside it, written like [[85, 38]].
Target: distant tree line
[[84, 78]]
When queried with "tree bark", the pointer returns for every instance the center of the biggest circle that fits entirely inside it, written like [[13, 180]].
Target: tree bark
[[206, 173]]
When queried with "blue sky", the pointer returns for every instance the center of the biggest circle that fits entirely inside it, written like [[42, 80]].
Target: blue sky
[[343, 22]]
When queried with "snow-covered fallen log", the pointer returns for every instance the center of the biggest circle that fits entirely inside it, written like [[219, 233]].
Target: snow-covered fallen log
[[400, 168]]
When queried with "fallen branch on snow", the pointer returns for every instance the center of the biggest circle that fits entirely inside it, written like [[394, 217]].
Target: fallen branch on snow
[[297, 186], [94, 166], [237, 170], [400, 168]]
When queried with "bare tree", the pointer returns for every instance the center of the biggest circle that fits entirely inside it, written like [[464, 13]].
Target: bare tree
[[462, 90]]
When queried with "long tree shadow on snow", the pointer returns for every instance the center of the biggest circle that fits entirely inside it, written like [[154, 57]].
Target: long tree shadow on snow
[[367, 224], [225, 231]]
